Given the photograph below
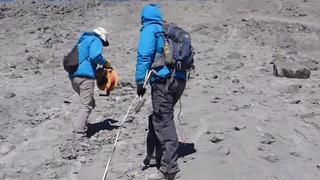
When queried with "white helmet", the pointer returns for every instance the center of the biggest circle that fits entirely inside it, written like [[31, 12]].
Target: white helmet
[[102, 34]]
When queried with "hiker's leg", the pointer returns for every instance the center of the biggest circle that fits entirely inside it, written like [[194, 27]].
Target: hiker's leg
[[163, 102], [151, 141], [86, 89]]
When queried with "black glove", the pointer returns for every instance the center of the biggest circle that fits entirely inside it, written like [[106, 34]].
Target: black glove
[[140, 90]]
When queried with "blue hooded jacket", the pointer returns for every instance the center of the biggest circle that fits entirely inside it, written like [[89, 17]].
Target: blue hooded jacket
[[151, 42], [90, 54]]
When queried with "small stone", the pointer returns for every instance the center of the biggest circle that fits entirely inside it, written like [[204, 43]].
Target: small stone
[[53, 175], [295, 154], [6, 148], [118, 98], [261, 148], [246, 106], [318, 166], [295, 102], [267, 141], [223, 150], [66, 102], [9, 95], [217, 138], [214, 101], [271, 158], [267, 135], [235, 81], [235, 108], [267, 138], [83, 159], [236, 128], [234, 55]]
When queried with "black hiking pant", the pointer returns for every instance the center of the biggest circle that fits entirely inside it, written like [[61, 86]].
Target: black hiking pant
[[162, 131]]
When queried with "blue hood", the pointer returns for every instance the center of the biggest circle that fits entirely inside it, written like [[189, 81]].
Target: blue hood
[[151, 14], [85, 35]]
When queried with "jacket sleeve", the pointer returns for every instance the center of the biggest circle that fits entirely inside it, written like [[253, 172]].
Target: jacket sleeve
[[146, 51], [95, 52]]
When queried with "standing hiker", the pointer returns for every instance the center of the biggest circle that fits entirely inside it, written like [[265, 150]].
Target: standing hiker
[[167, 85], [90, 46]]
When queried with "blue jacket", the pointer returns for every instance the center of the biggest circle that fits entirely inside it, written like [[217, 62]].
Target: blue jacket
[[90, 54], [151, 42]]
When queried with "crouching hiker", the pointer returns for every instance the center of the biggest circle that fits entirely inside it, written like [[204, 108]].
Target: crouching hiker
[[167, 85], [81, 63]]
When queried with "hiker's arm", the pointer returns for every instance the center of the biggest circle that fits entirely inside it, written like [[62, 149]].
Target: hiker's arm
[[95, 52], [146, 50]]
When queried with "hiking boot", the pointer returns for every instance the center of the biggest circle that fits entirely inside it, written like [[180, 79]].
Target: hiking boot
[[147, 160], [171, 176]]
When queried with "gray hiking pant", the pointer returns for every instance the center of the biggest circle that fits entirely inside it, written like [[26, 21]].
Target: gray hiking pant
[[165, 95], [85, 88]]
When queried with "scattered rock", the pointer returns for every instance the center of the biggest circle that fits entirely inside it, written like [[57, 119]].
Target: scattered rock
[[223, 150], [83, 159], [267, 138], [54, 164], [292, 9], [235, 81], [295, 102], [293, 88], [311, 64], [117, 98], [236, 128], [246, 106], [283, 68], [295, 154], [234, 55], [217, 138], [215, 100], [262, 148], [271, 158], [9, 95], [234, 108], [6, 148], [67, 102], [126, 84]]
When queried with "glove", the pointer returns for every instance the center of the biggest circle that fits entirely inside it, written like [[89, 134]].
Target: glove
[[140, 90], [108, 65]]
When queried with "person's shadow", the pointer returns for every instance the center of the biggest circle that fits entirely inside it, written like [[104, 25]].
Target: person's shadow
[[107, 124], [186, 149]]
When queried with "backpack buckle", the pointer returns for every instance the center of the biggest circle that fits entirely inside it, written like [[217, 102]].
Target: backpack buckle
[[178, 65]]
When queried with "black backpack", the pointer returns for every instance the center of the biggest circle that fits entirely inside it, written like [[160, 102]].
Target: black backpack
[[178, 51], [70, 61]]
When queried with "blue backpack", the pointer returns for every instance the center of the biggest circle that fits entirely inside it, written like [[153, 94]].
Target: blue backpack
[[178, 51]]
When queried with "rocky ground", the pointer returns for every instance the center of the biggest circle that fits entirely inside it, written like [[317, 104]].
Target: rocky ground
[[245, 122]]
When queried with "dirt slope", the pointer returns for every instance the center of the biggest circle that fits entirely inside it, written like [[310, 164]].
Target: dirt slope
[[267, 127]]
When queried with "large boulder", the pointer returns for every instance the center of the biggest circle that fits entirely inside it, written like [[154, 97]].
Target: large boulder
[[282, 67]]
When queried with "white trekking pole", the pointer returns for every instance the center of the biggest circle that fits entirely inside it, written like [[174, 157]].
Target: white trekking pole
[[121, 125]]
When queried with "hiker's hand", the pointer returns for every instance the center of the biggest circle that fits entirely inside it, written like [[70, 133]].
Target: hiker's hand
[[140, 90], [108, 65]]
